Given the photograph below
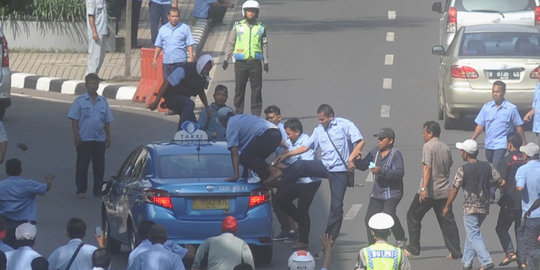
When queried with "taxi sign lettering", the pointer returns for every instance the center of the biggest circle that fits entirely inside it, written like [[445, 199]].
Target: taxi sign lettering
[[190, 132]]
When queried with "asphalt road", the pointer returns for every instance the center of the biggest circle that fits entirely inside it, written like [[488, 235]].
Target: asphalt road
[[370, 60]]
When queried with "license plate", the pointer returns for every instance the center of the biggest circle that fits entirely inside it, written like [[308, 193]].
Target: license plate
[[503, 75], [210, 203]]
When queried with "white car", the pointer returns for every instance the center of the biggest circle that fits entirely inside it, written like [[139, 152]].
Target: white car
[[459, 13], [5, 76]]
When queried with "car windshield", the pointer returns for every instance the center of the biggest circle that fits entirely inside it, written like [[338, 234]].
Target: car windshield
[[195, 166], [496, 5], [500, 44]]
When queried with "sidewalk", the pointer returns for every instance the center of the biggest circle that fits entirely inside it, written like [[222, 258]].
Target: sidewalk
[[63, 72]]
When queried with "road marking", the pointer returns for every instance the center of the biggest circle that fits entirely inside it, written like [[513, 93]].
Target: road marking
[[387, 83], [389, 59], [385, 111], [392, 15], [390, 36], [353, 211]]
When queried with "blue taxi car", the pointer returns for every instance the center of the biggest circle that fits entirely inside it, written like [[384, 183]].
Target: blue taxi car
[[180, 184]]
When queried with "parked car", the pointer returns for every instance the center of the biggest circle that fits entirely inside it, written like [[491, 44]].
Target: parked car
[[458, 13], [180, 184], [5, 76], [481, 55]]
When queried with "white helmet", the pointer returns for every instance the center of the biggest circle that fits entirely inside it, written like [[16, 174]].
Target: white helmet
[[251, 4], [301, 259], [381, 221]]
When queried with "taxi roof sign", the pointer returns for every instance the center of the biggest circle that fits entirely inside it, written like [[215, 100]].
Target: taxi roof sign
[[190, 132]]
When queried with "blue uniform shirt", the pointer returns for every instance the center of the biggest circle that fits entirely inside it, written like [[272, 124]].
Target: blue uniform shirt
[[92, 117], [536, 107], [528, 177], [174, 40], [212, 125], [243, 128], [5, 247], [98, 9], [201, 7], [18, 198], [21, 258], [308, 155], [280, 150], [498, 123], [157, 257], [60, 257], [146, 244], [343, 133]]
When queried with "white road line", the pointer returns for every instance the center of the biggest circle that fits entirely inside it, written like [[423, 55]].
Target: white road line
[[387, 83], [353, 211], [390, 36], [389, 59], [385, 111], [392, 15]]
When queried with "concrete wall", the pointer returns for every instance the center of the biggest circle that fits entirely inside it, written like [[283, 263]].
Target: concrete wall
[[47, 36]]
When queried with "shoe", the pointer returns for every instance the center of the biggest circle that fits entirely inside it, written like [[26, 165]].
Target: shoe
[[401, 243], [292, 238], [408, 253], [467, 267], [487, 266], [300, 245], [81, 195], [280, 237], [452, 257], [510, 257]]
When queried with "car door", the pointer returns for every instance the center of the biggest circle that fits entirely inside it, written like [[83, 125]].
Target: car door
[[135, 184]]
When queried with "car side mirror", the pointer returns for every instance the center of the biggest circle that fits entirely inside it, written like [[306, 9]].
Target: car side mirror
[[437, 7], [437, 50], [106, 187]]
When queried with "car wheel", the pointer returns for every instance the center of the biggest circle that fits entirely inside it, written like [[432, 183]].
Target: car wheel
[[450, 123], [262, 254], [132, 237], [113, 245]]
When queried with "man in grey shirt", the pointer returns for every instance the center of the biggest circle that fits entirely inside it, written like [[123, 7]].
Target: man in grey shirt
[[433, 193]]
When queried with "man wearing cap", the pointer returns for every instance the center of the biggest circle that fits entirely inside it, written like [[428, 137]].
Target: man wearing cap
[[18, 203], [75, 253], [251, 140], [224, 251], [157, 257], [3, 229], [528, 182], [388, 170], [21, 258], [182, 83], [475, 177], [381, 255], [433, 193], [209, 122]]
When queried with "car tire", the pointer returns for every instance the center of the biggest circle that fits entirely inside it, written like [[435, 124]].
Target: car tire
[[450, 123], [113, 245], [262, 255], [440, 107]]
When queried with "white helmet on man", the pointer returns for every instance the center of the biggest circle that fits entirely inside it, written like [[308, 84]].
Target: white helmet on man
[[251, 4], [301, 259]]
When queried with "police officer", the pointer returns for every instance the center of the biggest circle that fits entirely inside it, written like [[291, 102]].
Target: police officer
[[381, 255], [250, 46]]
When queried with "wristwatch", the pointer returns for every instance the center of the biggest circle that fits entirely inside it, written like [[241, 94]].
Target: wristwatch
[[422, 189]]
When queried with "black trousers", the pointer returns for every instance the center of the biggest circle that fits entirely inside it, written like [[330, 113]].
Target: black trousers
[[90, 151], [216, 14], [386, 206], [281, 216], [447, 224], [244, 71], [300, 214], [183, 106], [135, 14], [254, 155], [504, 221]]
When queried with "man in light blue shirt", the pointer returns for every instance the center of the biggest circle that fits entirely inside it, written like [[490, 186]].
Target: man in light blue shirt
[[334, 136], [528, 182], [213, 10], [534, 113], [157, 257], [60, 257], [209, 122], [158, 15], [22, 257], [96, 21], [18, 198]]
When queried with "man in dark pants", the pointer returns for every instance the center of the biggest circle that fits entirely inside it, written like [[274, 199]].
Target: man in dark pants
[[253, 137], [90, 117], [181, 84], [248, 41], [433, 193]]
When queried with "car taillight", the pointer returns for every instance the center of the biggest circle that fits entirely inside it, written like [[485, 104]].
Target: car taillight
[[159, 197], [534, 73], [259, 196], [463, 72], [5, 53], [451, 21], [537, 15]]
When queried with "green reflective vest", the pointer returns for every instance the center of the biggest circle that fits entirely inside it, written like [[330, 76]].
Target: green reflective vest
[[248, 43], [382, 256]]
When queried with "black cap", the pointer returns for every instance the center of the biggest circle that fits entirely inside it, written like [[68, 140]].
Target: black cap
[[385, 133]]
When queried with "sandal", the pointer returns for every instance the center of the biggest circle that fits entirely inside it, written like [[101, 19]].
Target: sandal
[[487, 266], [510, 257]]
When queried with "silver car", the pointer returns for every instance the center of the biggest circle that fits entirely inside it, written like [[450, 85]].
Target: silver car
[[458, 13], [481, 55], [5, 76]]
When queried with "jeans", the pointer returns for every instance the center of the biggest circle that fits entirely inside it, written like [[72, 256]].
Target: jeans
[[494, 156], [387, 206], [474, 243], [158, 17], [300, 214], [244, 71], [182, 105], [86, 151], [254, 155], [504, 221], [531, 244], [447, 224]]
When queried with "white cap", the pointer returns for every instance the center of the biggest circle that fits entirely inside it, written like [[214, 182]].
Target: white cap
[[202, 61], [470, 146], [26, 231], [381, 221], [530, 149], [301, 259]]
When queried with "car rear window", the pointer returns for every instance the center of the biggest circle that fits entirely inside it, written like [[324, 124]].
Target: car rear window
[[196, 166], [495, 5], [500, 44]]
